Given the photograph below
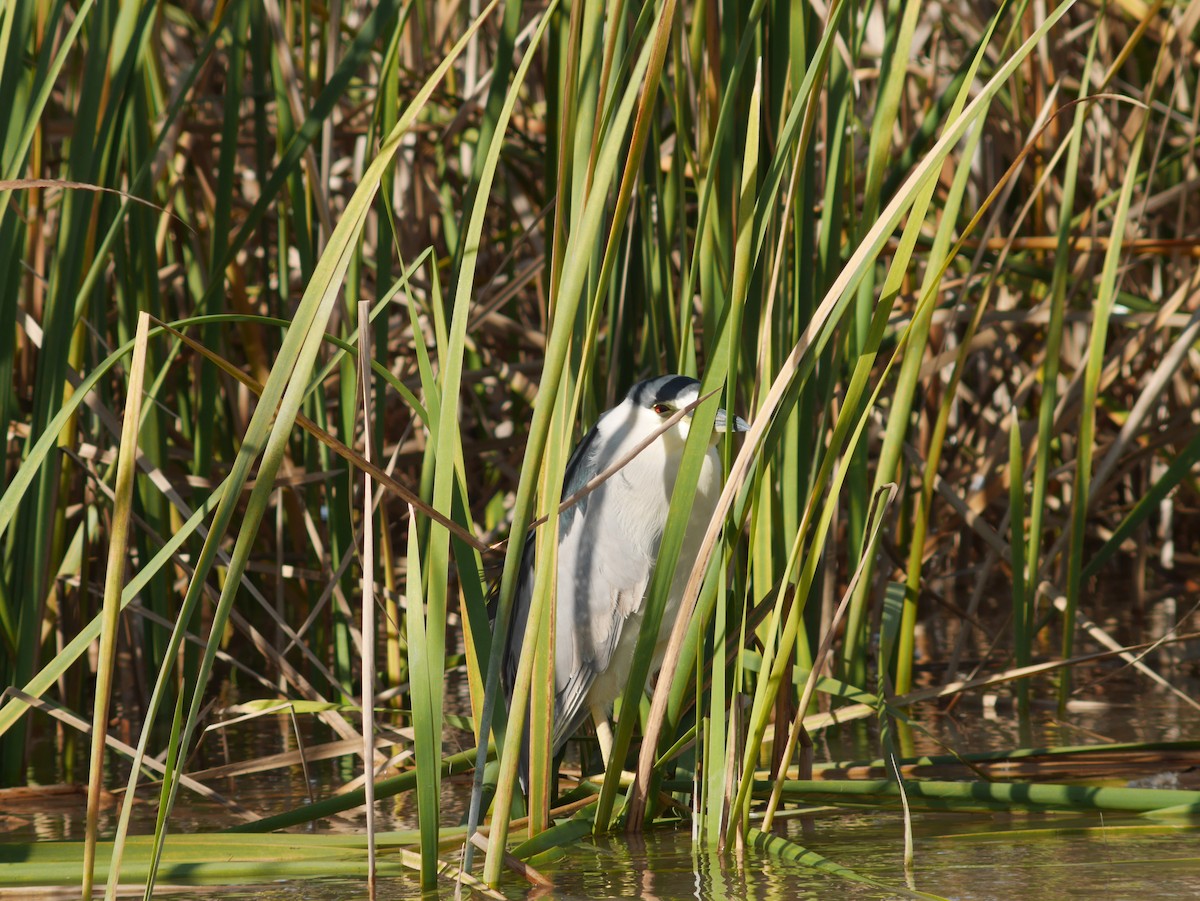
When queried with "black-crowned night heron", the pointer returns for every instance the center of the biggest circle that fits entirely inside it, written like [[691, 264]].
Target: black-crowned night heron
[[607, 545]]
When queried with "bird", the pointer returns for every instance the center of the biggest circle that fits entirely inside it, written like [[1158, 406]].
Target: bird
[[607, 546]]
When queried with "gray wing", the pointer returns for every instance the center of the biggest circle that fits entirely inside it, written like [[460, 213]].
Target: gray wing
[[607, 583], [598, 593], [581, 467], [588, 654], [518, 620], [579, 471]]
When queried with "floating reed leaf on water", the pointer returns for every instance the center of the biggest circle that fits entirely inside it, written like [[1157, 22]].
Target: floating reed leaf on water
[[946, 250]]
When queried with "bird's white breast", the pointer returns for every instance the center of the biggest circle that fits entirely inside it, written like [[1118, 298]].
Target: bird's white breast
[[607, 553]]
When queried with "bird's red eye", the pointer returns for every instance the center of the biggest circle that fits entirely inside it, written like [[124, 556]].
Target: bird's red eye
[[661, 409]]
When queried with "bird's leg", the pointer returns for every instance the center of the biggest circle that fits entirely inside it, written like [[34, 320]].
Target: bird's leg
[[603, 732]]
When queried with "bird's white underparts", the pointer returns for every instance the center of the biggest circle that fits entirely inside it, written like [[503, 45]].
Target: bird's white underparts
[[607, 546]]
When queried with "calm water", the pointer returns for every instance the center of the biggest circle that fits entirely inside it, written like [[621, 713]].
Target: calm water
[[959, 856], [664, 867], [956, 857]]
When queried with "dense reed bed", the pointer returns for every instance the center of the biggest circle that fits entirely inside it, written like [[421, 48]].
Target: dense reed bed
[[943, 257]]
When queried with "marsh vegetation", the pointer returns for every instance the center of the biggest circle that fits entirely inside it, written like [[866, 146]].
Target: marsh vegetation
[[303, 304]]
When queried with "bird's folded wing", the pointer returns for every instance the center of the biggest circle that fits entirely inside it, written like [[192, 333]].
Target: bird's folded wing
[[569, 708], [595, 640]]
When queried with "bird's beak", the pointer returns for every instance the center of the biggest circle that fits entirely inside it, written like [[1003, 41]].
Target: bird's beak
[[721, 423]]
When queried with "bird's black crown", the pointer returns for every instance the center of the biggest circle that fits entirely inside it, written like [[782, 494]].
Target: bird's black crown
[[666, 389]]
